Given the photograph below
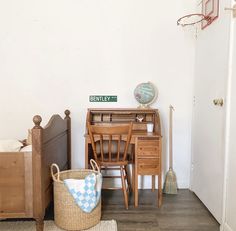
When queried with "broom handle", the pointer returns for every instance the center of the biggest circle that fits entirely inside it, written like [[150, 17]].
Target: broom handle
[[170, 138]]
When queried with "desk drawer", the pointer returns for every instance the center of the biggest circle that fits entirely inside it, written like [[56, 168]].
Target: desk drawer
[[148, 148], [148, 166]]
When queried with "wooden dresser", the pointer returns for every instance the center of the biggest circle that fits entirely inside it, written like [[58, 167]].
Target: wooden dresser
[[147, 146]]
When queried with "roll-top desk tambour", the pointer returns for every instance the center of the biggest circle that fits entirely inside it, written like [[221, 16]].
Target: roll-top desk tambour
[[147, 146]]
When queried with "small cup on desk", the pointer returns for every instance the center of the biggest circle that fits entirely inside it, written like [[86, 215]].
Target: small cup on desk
[[150, 127]]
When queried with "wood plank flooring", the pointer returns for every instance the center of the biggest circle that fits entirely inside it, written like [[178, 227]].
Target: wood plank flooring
[[183, 211]]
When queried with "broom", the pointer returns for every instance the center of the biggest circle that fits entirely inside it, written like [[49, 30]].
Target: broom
[[170, 184]]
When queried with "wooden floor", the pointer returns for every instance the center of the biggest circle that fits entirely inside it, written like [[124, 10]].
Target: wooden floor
[[183, 212]]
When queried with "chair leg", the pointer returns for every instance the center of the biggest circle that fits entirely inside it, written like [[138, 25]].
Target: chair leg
[[124, 187], [128, 178], [153, 183], [39, 224]]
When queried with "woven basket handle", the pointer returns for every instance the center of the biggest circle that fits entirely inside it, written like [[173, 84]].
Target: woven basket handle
[[57, 172], [94, 165]]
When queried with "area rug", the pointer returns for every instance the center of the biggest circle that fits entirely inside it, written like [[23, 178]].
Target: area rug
[[50, 226]]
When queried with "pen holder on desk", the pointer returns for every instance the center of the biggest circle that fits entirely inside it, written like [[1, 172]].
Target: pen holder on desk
[[150, 127]]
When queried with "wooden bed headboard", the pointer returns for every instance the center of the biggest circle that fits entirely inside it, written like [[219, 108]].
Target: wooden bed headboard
[[51, 144]]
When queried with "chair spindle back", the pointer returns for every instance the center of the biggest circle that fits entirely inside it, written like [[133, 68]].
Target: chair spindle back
[[110, 142]]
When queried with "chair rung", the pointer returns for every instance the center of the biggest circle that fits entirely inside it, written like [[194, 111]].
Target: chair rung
[[113, 188], [110, 168], [111, 176], [114, 177]]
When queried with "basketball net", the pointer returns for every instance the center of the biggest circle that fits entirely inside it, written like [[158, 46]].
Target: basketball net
[[192, 23], [191, 30]]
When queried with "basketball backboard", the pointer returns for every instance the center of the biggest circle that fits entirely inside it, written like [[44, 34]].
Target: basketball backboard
[[210, 8]]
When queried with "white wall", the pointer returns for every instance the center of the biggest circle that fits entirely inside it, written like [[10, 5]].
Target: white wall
[[54, 54]]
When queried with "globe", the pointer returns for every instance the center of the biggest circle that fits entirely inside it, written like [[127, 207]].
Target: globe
[[145, 94]]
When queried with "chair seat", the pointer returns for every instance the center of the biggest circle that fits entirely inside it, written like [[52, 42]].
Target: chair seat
[[114, 161], [112, 164]]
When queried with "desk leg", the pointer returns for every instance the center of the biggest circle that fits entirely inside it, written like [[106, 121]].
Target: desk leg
[[153, 183], [133, 177], [159, 190], [86, 154], [136, 187]]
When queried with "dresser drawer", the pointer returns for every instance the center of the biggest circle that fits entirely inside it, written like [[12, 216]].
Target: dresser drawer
[[148, 166], [148, 148]]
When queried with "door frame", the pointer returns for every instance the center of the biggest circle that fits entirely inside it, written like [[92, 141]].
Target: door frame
[[232, 47]]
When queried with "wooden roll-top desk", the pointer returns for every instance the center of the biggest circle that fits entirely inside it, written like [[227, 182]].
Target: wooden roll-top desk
[[147, 146]]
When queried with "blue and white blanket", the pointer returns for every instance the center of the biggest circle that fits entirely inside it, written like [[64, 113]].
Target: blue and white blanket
[[86, 192]]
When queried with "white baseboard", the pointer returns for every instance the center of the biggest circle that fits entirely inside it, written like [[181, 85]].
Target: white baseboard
[[225, 227]]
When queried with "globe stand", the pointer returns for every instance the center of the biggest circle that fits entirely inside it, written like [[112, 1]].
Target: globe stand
[[143, 106]]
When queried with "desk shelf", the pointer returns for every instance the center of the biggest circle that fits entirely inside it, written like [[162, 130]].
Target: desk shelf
[[139, 117]]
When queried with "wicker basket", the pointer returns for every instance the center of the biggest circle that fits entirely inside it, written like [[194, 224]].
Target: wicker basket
[[67, 214]]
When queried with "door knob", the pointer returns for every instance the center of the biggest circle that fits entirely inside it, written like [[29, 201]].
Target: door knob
[[218, 102]]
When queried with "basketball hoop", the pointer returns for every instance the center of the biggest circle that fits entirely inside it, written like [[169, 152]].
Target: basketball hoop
[[192, 19]]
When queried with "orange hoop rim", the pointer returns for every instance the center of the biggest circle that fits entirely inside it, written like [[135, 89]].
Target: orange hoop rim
[[203, 17]]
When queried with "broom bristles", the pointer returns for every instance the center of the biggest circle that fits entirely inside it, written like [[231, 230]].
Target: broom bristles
[[170, 185]]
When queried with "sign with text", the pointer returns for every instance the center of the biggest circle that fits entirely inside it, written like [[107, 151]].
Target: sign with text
[[103, 98]]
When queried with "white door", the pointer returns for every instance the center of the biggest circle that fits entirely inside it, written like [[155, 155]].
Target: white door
[[230, 193], [208, 130], [208, 147]]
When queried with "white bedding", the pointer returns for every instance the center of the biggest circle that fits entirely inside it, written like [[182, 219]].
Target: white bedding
[[10, 145], [27, 148]]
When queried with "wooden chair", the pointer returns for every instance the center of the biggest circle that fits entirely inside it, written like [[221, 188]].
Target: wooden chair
[[110, 146]]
